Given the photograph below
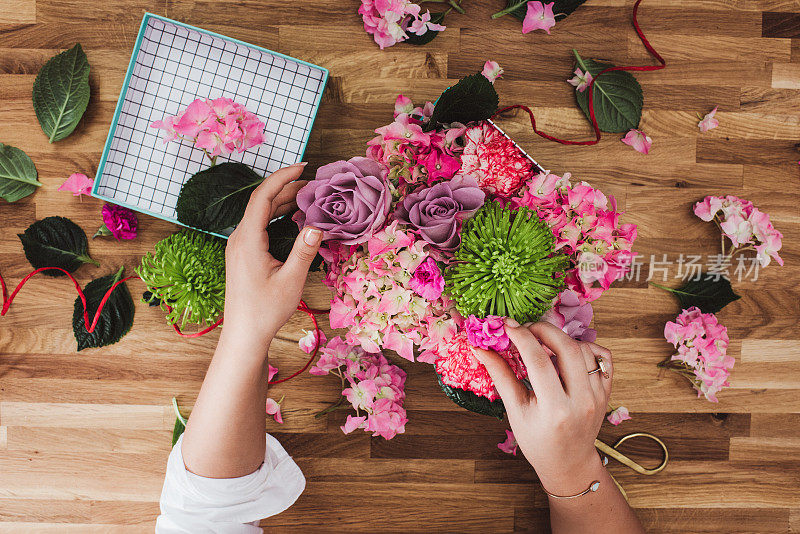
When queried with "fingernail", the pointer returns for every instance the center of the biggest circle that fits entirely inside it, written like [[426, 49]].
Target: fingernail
[[510, 321], [312, 236], [301, 164]]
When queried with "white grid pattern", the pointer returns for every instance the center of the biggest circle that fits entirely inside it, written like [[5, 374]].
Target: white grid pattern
[[176, 65]]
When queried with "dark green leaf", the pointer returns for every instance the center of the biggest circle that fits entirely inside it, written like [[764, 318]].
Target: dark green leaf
[[617, 97], [214, 199], [180, 422], [428, 36], [562, 8], [708, 294], [56, 242], [472, 99], [472, 402], [18, 177], [116, 317], [282, 234], [61, 93]]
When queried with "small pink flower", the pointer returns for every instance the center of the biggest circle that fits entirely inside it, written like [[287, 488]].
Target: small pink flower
[[539, 17], [198, 115], [78, 184], [168, 125], [119, 221], [638, 140], [509, 445], [311, 339], [708, 122], [492, 71], [427, 281], [581, 80], [619, 415], [274, 409], [271, 371], [488, 333], [423, 24], [403, 104]]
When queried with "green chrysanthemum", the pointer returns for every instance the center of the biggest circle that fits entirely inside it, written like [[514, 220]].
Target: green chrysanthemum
[[506, 265], [187, 272]]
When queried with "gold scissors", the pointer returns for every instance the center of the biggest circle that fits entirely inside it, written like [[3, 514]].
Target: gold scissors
[[613, 452]]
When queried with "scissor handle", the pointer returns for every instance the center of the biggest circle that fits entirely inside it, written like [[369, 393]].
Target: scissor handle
[[621, 458]]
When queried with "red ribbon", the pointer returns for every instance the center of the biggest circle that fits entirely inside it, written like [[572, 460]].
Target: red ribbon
[[8, 299], [595, 126]]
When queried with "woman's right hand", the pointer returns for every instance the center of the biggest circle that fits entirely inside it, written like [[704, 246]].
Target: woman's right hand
[[556, 424]]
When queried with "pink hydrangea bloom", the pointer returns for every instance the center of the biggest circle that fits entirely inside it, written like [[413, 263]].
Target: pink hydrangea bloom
[[487, 333], [702, 345], [638, 140], [509, 445], [311, 339], [708, 122], [121, 222], [457, 366], [573, 315], [78, 184], [498, 165], [220, 126], [274, 409], [427, 281], [374, 298], [492, 71], [375, 388], [539, 17], [619, 415], [581, 80], [744, 225], [587, 227], [389, 20]]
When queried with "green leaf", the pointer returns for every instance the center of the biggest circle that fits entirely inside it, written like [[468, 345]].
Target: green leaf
[[428, 36], [61, 93], [471, 99], [473, 402], [215, 198], [18, 177], [562, 8], [709, 295], [617, 97], [180, 422], [282, 234], [116, 317], [56, 242]]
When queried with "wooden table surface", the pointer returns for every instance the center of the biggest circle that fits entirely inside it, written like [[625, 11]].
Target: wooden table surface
[[84, 437]]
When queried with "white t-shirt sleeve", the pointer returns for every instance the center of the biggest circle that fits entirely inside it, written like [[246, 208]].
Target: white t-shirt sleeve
[[191, 504]]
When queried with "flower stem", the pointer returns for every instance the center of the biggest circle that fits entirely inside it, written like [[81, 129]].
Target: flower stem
[[509, 9], [332, 408]]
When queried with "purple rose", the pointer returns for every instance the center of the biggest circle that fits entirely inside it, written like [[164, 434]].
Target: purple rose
[[348, 200], [488, 333], [435, 212]]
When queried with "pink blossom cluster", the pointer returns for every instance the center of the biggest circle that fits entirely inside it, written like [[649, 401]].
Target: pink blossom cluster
[[375, 387], [744, 225], [457, 366], [498, 164], [390, 21], [586, 225], [217, 126], [573, 315], [382, 299], [702, 345], [412, 155]]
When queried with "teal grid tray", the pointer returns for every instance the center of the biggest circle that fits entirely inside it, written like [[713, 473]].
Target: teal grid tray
[[173, 64]]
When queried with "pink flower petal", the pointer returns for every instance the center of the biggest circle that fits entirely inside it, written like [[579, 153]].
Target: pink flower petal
[[638, 140], [539, 17], [78, 184]]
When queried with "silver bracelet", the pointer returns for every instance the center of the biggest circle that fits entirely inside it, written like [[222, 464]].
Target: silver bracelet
[[594, 486]]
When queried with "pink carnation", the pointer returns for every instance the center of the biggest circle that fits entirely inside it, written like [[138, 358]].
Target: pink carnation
[[458, 367], [427, 281], [498, 164], [121, 222]]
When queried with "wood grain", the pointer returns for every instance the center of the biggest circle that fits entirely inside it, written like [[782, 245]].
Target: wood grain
[[84, 437]]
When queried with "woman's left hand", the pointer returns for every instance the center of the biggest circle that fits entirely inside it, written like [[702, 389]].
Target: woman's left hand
[[261, 292]]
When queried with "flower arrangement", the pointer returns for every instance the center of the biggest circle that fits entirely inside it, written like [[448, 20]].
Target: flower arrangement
[[445, 228]]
